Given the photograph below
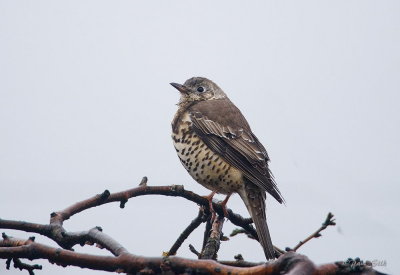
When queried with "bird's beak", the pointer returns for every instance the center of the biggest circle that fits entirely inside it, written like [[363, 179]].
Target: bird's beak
[[181, 88]]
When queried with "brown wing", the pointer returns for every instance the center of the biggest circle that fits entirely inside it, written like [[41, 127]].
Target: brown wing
[[230, 136]]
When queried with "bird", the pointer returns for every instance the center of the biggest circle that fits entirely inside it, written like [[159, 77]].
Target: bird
[[216, 145]]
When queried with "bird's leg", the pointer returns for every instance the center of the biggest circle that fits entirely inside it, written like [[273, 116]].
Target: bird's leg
[[210, 198], [223, 205]]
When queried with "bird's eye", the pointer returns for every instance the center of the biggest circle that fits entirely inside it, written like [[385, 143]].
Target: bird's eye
[[200, 89]]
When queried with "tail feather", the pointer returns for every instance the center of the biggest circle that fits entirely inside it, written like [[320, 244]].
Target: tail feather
[[254, 199]]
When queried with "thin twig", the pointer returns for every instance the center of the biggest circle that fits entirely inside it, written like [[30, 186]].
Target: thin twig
[[194, 250], [24, 266], [188, 230], [328, 222], [237, 231]]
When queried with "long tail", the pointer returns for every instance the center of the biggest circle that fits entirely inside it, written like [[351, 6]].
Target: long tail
[[254, 199]]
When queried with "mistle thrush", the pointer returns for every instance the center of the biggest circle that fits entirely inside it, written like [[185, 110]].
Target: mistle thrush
[[217, 147]]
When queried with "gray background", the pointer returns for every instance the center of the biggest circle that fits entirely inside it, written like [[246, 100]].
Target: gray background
[[85, 105]]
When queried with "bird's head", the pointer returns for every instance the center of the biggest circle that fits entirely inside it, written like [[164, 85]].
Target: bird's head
[[198, 89]]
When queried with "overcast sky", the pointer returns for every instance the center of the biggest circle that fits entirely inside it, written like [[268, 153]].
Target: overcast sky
[[86, 105]]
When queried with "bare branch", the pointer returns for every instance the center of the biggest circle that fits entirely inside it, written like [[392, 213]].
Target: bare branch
[[194, 251], [57, 218], [328, 222], [240, 263], [24, 266], [191, 227], [212, 246], [237, 231], [66, 239], [288, 263], [56, 231], [241, 231], [207, 232], [13, 249]]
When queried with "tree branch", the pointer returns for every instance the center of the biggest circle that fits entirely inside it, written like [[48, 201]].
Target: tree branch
[[212, 246], [191, 227], [207, 232], [23, 266], [328, 222], [123, 261], [56, 231], [174, 191], [289, 263]]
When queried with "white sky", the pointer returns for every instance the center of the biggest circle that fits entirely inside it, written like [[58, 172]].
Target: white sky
[[85, 105]]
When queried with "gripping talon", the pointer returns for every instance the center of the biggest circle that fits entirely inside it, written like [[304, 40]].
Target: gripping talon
[[223, 205], [210, 205]]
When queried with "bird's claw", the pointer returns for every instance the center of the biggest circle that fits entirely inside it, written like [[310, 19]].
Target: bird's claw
[[222, 204], [209, 198]]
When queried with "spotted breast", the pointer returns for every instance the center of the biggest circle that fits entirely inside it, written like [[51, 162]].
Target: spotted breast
[[206, 167]]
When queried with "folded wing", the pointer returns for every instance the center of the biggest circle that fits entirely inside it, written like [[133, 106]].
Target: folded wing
[[231, 137]]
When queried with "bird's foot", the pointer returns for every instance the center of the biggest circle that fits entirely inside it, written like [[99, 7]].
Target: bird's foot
[[210, 205], [223, 205]]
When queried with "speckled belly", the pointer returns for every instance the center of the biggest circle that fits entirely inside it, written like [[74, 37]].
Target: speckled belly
[[206, 167]]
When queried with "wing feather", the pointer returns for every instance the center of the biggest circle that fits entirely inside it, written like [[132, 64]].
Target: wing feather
[[237, 145]]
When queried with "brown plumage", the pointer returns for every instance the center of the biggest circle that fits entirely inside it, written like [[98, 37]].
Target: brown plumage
[[216, 145]]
